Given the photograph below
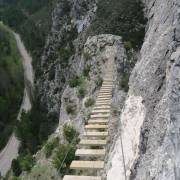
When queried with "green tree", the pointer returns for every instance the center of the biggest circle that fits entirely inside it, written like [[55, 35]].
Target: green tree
[[16, 167]]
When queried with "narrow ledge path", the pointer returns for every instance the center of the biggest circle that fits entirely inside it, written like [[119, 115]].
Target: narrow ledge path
[[94, 141]]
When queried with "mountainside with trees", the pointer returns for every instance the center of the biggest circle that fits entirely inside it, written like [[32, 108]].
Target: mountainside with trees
[[11, 83]]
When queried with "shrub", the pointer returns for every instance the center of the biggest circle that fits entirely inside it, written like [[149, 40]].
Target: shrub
[[70, 109], [49, 147], [70, 133], [61, 153], [81, 92], [99, 81], [26, 162], [127, 45], [87, 56], [75, 81], [16, 167], [124, 82], [89, 102], [86, 70]]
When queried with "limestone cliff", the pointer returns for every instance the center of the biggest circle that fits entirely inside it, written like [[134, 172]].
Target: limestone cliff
[[150, 119]]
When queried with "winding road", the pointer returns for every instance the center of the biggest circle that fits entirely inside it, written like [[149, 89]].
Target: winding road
[[11, 150]]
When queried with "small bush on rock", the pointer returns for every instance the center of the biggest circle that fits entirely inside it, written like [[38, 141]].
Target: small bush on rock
[[75, 81], [124, 82], [127, 45], [86, 70], [70, 133], [87, 56], [81, 92], [70, 109], [89, 102], [50, 146], [99, 81], [58, 160]]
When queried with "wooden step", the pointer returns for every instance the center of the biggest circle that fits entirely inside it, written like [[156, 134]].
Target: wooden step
[[100, 111], [71, 177], [103, 99], [99, 107], [105, 91], [110, 79], [106, 85], [95, 134], [90, 152], [93, 142], [87, 165], [103, 103], [109, 89], [99, 101], [105, 95], [96, 126], [102, 116], [99, 121]]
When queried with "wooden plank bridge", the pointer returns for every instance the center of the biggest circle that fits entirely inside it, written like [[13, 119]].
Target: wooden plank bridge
[[96, 133]]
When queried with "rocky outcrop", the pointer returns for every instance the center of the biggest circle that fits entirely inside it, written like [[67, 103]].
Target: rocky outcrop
[[151, 149], [96, 52]]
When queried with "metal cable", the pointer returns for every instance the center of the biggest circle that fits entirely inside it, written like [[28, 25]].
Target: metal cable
[[122, 150]]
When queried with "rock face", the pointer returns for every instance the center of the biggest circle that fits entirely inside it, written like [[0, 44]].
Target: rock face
[[63, 49], [152, 147]]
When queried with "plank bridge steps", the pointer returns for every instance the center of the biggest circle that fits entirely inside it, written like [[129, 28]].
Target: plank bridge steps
[[94, 141]]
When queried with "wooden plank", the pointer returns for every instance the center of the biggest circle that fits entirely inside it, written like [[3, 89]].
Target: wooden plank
[[103, 101], [102, 116], [90, 152], [87, 165], [95, 134], [101, 107], [93, 142], [103, 98], [101, 95], [96, 126], [71, 177], [99, 121], [100, 111]]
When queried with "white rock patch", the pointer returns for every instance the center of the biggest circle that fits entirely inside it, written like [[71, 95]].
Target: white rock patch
[[132, 119]]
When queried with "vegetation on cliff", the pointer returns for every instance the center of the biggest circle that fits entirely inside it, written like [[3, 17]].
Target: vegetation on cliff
[[120, 17], [32, 20], [11, 83]]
